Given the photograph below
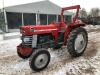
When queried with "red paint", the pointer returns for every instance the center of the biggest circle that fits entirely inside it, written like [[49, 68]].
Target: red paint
[[24, 51]]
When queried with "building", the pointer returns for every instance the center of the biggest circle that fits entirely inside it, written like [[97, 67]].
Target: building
[[43, 12]]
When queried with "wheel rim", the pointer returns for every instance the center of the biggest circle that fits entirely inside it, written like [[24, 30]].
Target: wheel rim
[[80, 43], [41, 60]]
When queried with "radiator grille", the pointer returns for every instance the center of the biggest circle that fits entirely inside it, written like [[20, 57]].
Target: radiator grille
[[27, 43]]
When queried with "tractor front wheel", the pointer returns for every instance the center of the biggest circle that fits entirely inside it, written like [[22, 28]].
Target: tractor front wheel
[[39, 59], [77, 42]]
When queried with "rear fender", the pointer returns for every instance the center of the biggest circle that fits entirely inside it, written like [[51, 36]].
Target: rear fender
[[69, 29], [77, 25]]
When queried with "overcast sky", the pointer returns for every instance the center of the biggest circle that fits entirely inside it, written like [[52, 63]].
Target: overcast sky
[[87, 4]]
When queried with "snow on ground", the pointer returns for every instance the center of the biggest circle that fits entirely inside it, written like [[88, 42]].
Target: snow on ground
[[61, 62], [92, 28], [8, 47], [10, 34]]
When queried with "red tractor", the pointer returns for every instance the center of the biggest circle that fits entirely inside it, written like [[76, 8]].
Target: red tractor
[[37, 39]]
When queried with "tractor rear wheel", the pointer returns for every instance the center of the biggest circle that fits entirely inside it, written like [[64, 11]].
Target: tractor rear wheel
[[77, 42], [39, 60]]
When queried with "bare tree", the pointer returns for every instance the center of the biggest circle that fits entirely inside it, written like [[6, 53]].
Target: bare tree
[[94, 15], [1, 20], [83, 13], [94, 12]]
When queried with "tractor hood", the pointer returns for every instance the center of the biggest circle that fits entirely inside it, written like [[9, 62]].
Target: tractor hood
[[38, 29]]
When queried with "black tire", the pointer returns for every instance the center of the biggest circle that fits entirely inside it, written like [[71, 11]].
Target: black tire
[[23, 56], [71, 42], [35, 57]]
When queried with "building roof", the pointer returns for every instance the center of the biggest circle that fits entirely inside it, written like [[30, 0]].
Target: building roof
[[44, 7]]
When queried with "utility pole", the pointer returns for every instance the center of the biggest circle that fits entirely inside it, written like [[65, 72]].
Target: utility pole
[[38, 18], [5, 18]]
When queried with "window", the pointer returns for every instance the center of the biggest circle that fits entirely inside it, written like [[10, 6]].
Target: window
[[59, 18], [51, 18], [29, 19], [67, 19], [14, 20], [43, 19]]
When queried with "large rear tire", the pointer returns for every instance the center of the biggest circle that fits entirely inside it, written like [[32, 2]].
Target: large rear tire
[[39, 59], [77, 42]]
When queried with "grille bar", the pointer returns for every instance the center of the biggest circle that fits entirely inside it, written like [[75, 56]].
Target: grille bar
[[28, 43]]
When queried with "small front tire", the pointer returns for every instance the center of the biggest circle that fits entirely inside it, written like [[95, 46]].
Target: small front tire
[[39, 60]]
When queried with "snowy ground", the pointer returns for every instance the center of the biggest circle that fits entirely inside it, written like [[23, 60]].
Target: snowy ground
[[61, 62]]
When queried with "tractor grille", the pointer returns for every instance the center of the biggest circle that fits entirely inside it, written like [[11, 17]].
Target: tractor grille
[[27, 41]]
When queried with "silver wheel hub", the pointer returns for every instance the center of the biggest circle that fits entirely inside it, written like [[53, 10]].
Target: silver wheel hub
[[80, 43], [41, 60]]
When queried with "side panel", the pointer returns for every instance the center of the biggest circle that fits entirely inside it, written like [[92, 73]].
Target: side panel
[[45, 41]]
